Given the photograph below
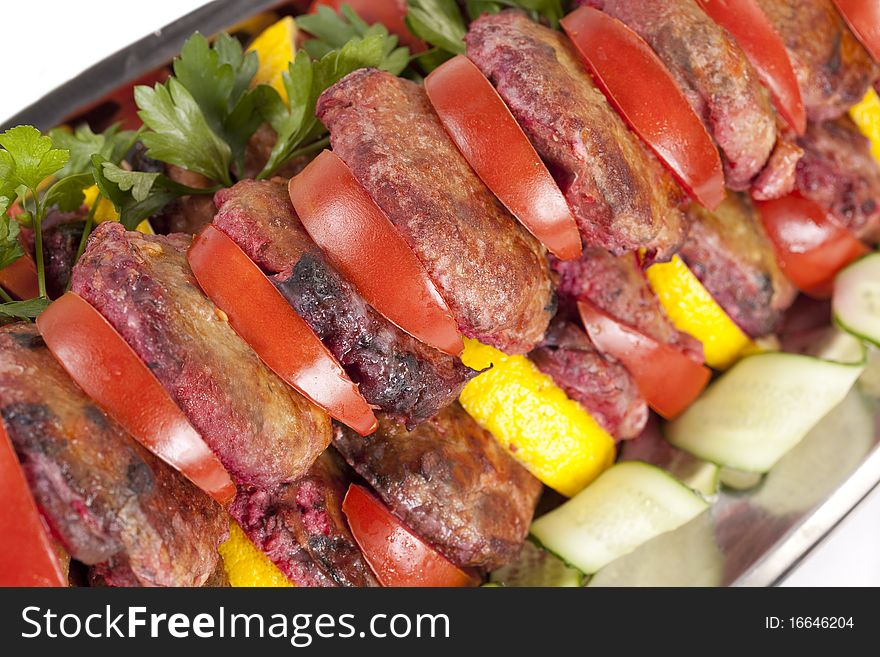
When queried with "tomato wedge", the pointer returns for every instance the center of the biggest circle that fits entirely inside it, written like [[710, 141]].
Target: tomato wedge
[[764, 48], [668, 379], [102, 363], [279, 336], [363, 244], [27, 557], [810, 245], [863, 17], [391, 13], [645, 94], [20, 278], [396, 555], [481, 125]]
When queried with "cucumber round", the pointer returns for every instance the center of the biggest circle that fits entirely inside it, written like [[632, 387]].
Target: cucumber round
[[840, 347], [738, 480], [827, 455], [652, 448], [537, 567], [761, 408], [687, 556], [629, 504], [856, 300]]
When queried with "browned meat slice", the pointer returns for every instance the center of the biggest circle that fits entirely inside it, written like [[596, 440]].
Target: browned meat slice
[[833, 69], [261, 429], [715, 76], [490, 270], [450, 482], [840, 174], [731, 255], [394, 371], [622, 197], [617, 285], [188, 214], [778, 178], [300, 527], [108, 500], [599, 384]]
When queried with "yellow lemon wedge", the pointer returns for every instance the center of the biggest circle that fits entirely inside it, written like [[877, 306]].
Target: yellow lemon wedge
[[245, 565], [866, 116], [693, 310], [532, 418], [106, 211], [276, 47]]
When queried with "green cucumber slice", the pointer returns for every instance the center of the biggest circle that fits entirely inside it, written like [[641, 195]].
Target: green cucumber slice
[[739, 480], [761, 408], [856, 300], [537, 567], [688, 556], [651, 447], [628, 504], [840, 347], [827, 455]]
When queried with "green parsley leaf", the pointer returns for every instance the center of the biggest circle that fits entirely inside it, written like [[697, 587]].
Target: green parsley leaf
[[179, 132], [82, 143], [439, 22], [30, 309], [10, 247], [550, 11], [218, 77], [137, 195], [295, 123], [28, 158], [67, 193], [333, 30]]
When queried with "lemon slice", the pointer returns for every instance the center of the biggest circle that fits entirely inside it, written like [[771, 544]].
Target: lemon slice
[[532, 418], [245, 565], [866, 116], [693, 310], [276, 48]]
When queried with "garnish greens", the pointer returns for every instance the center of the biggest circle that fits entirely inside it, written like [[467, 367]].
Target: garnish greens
[[441, 23], [28, 166], [299, 131], [332, 30], [202, 118], [113, 144]]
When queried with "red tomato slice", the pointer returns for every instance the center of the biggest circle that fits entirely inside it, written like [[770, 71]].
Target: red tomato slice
[[667, 378], [764, 48], [363, 244], [482, 126], [645, 94], [863, 17], [27, 557], [391, 13], [396, 555], [279, 336], [20, 278], [811, 245], [102, 363]]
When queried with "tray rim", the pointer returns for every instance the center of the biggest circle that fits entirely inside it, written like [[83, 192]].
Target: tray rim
[[132, 61]]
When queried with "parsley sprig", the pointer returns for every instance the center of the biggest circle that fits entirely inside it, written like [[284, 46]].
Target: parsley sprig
[[442, 24], [29, 165], [299, 131], [202, 118], [332, 30]]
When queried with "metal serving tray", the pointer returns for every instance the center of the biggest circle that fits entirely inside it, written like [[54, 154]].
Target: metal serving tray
[[752, 538]]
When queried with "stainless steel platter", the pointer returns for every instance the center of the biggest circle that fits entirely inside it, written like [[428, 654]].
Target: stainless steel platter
[[751, 538]]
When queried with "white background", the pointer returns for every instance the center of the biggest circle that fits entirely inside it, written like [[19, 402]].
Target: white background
[[43, 44]]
